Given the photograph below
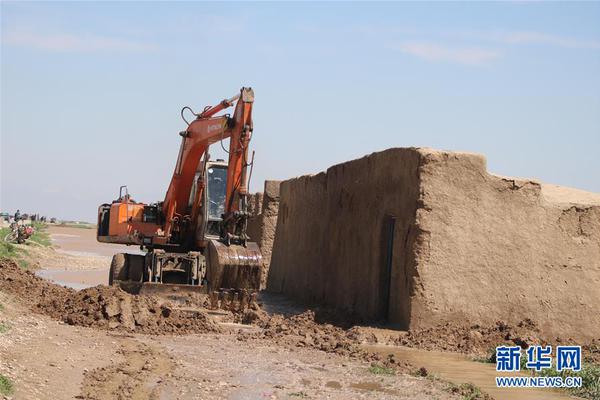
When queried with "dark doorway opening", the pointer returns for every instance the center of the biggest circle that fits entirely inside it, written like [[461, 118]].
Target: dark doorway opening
[[389, 226]]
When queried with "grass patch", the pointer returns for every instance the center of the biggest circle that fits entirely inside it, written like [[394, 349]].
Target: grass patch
[[4, 327], [10, 251], [18, 253], [1, 307], [380, 370], [590, 380], [468, 391], [41, 236], [7, 250], [6, 386]]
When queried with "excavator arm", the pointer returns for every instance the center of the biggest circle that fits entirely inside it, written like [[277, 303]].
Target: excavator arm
[[200, 134]]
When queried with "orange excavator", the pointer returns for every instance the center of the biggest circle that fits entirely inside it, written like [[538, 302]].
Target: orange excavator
[[194, 240]]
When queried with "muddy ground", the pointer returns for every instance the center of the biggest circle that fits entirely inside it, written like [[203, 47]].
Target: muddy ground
[[53, 356], [100, 342]]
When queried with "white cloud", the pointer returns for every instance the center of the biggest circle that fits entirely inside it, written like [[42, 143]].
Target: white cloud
[[64, 42], [546, 39], [435, 52]]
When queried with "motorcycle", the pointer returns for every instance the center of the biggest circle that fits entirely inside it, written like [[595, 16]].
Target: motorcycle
[[19, 233]]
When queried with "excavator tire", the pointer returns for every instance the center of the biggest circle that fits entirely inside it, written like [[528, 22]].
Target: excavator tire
[[135, 267], [118, 269]]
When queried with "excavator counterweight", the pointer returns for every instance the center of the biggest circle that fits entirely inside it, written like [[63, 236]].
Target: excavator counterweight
[[195, 239]]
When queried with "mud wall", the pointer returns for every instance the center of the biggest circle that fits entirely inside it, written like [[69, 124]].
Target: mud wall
[[331, 238], [464, 245], [495, 248], [263, 208]]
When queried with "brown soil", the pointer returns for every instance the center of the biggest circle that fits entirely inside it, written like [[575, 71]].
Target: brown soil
[[473, 339], [48, 360], [302, 330], [143, 369], [482, 340], [111, 308], [139, 376], [101, 306]]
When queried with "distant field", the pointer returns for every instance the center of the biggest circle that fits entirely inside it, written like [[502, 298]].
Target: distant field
[[77, 225]]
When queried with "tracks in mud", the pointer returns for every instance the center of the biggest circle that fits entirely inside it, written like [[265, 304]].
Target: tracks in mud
[[140, 375]]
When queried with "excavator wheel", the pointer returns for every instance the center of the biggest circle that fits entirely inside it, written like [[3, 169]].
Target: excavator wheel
[[118, 269], [135, 267]]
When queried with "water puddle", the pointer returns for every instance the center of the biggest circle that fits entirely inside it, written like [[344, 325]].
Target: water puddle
[[82, 242], [80, 253], [333, 385], [373, 387], [75, 279], [459, 369]]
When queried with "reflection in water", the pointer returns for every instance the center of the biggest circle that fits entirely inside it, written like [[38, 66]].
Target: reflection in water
[[75, 279]]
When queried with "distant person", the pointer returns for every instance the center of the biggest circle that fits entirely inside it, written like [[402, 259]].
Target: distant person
[[17, 216]]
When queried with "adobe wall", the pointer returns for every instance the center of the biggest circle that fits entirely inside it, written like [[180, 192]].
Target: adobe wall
[[263, 208], [467, 246], [496, 248], [330, 238]]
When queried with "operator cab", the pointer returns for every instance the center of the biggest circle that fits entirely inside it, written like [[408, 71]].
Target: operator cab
[[215, 175], [216, 191]]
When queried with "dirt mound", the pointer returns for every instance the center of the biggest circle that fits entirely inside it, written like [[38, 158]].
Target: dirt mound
[[302, 331], [475, 339], [101, 306], [306, 330]]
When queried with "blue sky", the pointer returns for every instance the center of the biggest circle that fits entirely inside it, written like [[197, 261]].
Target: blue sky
[[91, 92]]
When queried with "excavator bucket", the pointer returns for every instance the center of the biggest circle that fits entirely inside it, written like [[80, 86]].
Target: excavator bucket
[[234, 267], [233, 273]]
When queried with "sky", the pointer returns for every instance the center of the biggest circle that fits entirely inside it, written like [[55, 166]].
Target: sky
[[91, 92]]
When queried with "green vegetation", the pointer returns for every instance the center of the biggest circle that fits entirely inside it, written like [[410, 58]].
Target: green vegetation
[[4, 327], [380, 370], [9, 250], [18, 253], [590, 380], [41, 236], [590, 376], [6, 386], [468, 391]]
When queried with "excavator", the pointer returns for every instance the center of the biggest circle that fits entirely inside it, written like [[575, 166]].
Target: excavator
[[195, 239]]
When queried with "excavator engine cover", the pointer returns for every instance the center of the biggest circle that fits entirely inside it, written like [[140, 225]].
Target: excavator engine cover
[[234, 266]]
